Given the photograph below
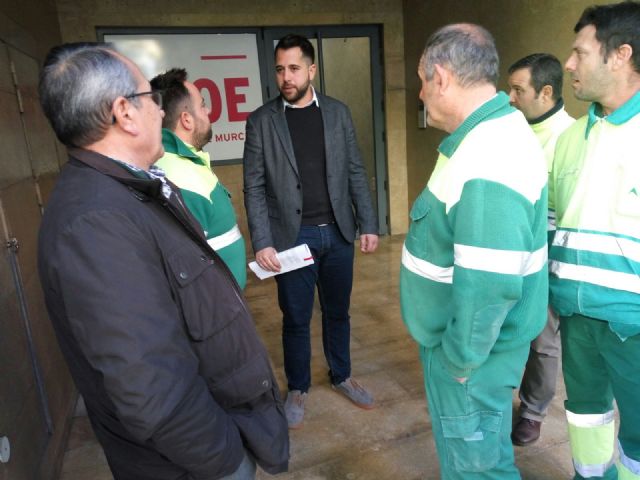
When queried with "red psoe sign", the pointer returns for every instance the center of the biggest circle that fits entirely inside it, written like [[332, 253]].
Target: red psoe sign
[[223, 66]]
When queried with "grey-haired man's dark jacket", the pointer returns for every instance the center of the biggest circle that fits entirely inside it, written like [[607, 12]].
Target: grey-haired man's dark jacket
[[156, 332]]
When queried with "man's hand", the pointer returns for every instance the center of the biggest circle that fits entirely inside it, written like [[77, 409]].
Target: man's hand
[[267, 259], [368, 242]]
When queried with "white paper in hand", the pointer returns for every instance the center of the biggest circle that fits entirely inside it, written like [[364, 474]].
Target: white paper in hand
[[292, 259]]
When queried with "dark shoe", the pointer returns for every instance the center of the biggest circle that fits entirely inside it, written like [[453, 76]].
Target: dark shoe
[[356, 393], [525, 432], [294, 408]]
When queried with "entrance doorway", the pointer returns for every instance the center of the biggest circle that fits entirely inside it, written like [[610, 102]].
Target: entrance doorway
[[349, 61]]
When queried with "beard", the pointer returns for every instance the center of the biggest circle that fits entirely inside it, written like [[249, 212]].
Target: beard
[[202, 137], [295, 95]]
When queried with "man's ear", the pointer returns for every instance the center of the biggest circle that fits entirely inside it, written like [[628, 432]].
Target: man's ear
[[441, 77], [547, 93], [622, 55], [312, 71], [186, 121], [124, 115]]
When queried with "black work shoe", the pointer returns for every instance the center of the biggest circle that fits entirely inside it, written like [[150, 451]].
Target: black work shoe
[[525, 432]]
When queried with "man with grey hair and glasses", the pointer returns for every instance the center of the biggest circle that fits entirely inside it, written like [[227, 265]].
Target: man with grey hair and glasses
[[473, 282], [156, 334]]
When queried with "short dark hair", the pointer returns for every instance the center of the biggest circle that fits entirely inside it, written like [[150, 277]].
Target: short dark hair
[[78, 84], [545, 69], [468, 50], [616, 24], [174, 94], [292, 40]]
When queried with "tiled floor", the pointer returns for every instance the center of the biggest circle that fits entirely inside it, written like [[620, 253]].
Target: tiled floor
[[338, 440]]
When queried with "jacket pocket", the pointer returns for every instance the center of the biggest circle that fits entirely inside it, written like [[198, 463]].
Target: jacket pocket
[[242, 385], [197, 296], [419, 228], [472, 441]]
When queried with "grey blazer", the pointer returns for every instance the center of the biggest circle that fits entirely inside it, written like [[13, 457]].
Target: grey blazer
[[272, 189]]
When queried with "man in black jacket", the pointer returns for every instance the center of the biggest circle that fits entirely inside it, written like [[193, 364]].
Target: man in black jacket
[[157, 335]]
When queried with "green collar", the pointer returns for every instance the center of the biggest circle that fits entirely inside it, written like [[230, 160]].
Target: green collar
[[172, 144], [624, 113], [497, 107]]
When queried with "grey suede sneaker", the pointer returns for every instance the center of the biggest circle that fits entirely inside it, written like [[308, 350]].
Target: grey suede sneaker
[[355, 392], [294, 408]]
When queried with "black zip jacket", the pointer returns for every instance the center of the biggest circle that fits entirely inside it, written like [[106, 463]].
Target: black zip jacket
[[156, 332]]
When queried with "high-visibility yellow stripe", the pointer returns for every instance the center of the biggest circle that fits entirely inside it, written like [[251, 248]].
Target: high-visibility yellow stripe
[[598, 276], [511, 262], [594, 242], [591, 438], [426, 269]]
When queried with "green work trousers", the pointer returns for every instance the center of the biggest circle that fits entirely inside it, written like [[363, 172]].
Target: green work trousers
[[471, 421], [597, 368]]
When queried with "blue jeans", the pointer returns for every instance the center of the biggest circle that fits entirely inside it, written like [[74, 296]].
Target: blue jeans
[[332, 272]]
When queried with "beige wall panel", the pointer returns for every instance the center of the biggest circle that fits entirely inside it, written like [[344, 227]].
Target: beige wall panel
[[17, 384], [26, 68], [60, 389], [31, 28], [6, 82], [79, 18], [22, 214], [14, 160], [46, 183], [519, 27], [30, 25], [16, 375], [61, 152], [27, 442], [40, 137]]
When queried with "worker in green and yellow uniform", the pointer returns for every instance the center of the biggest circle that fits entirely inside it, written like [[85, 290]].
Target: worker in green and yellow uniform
[[186, 130], [595, 256], [535, 83], [474, 281]]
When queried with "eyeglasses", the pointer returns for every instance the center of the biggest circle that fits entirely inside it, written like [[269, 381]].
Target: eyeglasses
[[156, 96]]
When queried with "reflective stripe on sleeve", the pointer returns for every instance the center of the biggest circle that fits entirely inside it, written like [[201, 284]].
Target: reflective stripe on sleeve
[[598, 276], [511, 262], [426, 269], [226, 239], [599, 243]]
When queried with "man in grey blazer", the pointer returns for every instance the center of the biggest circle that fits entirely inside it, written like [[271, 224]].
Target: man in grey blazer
[[304, 182]]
